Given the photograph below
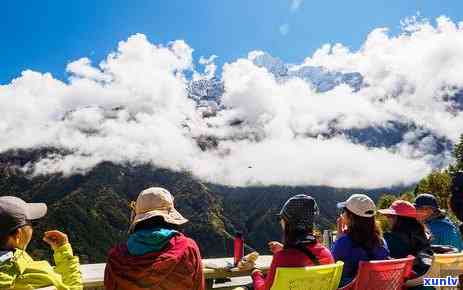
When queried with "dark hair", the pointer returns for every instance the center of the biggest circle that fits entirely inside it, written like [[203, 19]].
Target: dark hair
[[293, 235], [4, 239], [155, 222], [413, 231], [364, 231]]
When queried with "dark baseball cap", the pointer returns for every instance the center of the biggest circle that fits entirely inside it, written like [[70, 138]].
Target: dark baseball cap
[[300, 210], [15, 213], [426, 200]]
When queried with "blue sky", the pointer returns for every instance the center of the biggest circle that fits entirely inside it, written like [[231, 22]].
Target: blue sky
[[46, 35]]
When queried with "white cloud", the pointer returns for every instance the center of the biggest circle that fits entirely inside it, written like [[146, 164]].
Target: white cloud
[[284, 29], [82, 68], [209, 67], [133, 107], [419, 65]]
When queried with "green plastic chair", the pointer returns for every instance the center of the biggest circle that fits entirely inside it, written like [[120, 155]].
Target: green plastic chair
[[325, 277]]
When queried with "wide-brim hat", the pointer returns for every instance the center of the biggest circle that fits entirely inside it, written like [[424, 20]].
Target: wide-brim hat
[[154, 202], [400, 208]]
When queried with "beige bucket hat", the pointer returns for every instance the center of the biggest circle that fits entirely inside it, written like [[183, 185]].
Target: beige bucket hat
[[152, 202]]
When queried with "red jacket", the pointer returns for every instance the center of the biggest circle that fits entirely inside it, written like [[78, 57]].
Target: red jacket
[[177, 267], [291, 258]]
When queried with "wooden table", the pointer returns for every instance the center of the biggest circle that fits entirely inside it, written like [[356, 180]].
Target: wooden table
[[93, 274]]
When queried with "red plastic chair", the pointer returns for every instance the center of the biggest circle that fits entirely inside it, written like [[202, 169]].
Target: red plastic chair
[[381, 275]]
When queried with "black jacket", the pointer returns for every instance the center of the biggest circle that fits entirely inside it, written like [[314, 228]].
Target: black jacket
[[401, 245]]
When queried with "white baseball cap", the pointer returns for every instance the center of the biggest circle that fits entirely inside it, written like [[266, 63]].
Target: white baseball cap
[[359, 204]]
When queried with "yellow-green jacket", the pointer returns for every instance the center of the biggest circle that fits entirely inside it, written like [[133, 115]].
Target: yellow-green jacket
[[19, 271]]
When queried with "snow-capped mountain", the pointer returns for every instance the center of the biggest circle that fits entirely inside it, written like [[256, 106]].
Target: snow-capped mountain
[[206, 89], [321, 79], [393, 135]]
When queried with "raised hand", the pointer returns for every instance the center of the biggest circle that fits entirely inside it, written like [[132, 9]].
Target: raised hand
[[275, 247], [341, 225], [55, 239]]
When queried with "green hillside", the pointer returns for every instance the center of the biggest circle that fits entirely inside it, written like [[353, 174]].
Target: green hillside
[[93, 208]]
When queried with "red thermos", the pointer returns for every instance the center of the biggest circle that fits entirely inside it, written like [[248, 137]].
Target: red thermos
[[238, 248]]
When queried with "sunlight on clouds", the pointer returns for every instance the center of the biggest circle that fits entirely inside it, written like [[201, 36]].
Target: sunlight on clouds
[[134, 108]]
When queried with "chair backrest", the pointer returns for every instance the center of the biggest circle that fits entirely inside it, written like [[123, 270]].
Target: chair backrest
[[382, 275], [324, 277], [444, 265]]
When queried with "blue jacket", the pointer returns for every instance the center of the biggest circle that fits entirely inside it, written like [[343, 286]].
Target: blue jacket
[[444, 232]]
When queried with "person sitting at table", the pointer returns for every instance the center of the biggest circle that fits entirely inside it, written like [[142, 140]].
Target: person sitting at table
[[300, 248], [17, 269], [157, 255], [443, 231], [359, 236], [408, 236]]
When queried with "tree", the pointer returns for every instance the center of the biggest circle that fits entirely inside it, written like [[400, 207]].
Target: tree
[[437, 183], [440, 182], [408, 196], [458, 155], [385, 200]]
